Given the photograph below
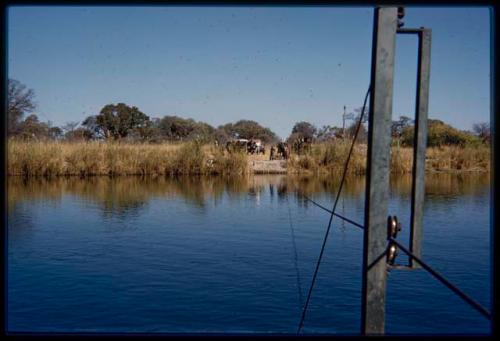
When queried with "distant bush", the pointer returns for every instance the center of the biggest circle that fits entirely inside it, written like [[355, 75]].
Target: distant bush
[[247, 129], [441, 134]]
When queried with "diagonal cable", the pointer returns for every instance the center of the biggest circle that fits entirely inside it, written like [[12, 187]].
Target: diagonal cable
[[443, 280], [425, 266], [346, 164], [335, 214]]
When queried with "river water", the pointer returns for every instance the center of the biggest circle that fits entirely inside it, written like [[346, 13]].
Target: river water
[[236, 255]]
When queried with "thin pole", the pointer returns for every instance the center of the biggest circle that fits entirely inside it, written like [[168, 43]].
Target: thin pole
[[343, 124], [420, 144]]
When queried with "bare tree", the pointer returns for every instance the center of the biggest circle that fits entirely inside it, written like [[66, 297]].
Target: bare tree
[[354, 116], [69, 127], [20, 102], [482, 130]]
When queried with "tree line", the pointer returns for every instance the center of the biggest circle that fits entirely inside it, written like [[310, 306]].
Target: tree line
[[123, 122]]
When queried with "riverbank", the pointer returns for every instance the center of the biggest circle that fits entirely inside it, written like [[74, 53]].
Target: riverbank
[[327, 158], [100, 158]]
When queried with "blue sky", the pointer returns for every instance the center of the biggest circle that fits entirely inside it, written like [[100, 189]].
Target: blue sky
[[275, 65]]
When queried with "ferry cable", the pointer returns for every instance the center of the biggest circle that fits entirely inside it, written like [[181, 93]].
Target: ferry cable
[[346, 164], [425, 266], [443, 280], [335, 214]]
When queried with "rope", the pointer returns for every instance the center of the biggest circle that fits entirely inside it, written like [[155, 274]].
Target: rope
[[346, 164], [443, 280]]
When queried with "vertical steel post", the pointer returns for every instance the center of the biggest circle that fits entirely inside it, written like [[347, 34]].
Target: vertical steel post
[[343, 124], [377, 181], [420, 144]]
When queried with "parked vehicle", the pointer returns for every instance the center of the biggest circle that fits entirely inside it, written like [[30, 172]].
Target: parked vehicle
[[250, 146]]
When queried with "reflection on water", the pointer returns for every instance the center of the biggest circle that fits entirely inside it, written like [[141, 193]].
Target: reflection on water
[[196, 254], [122, 195], [444, 184]]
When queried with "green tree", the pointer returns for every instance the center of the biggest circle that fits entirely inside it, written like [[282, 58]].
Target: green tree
[[116, 121], [175, 127], [149, 131], [55, 133], [304, 130], [32, 128], [202, 132], [247, 129]]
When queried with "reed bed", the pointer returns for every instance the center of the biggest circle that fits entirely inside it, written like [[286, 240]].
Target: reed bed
[[107, 158], [330, 158], [444, 159], [100, 158], [467, 159]]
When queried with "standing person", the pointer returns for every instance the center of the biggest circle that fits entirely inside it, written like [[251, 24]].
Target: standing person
[[271, 153]]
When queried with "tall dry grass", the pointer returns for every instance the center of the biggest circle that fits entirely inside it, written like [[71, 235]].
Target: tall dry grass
[[444, 159], [330, 158], [459, 159], [99, 158]]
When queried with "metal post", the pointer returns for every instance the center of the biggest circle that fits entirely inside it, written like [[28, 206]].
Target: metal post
[[377, 181], [420, 144], [343, 124]]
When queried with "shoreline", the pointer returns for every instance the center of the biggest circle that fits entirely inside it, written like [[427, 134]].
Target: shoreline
[[253, 172], [54, 159]]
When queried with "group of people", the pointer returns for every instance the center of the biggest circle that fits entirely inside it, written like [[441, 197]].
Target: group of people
[[301, 145], [279, 151], [282, 151]]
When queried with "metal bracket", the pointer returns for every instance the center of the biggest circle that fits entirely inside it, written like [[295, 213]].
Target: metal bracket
[[393, 227]]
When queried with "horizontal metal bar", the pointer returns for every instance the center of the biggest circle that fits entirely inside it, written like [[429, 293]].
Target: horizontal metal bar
[[400, 267], [410, 30], [443, 280]]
